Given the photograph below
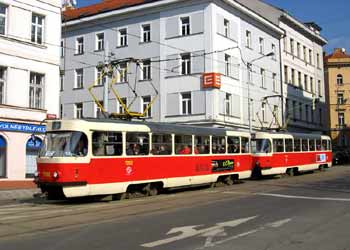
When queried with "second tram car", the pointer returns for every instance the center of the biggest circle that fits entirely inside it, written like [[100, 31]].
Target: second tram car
[[280, 153], [109, 157]]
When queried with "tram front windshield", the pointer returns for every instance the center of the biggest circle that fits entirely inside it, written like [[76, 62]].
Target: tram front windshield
[[65, 144], [261, 146]]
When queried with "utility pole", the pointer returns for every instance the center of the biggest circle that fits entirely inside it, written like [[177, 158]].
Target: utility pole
[[106, 82]]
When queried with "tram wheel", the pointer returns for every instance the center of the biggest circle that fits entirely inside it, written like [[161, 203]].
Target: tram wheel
[[229, 180], [290, 172], [153, 191], [321, 168]]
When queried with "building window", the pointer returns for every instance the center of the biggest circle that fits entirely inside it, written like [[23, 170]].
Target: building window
[[294, 109], [300, 111], [123, 72], [227, 28], [146, 100], [78, 110], [146, 33], [310, 56], [36, 90], [286, 78], [304, 53], [319, 88], [274, 82], [123, 38], [61, 111], [340, 79], [262, 75], [341, 119], [228, 99], [146, 70], [61, 81], [3, 14], [261, 45], [227, 65], [100, 41], [100, 79], [312, 85], [287, 109], [292, 46], [248, 37], [275, 114], [186, 103], [273, 48], [306, 85], [3, 73], [62, 48], [298, 50], [79, 78], [293, 77], [318, 60], [186, 64], [263, 111], [307, 113], [340, 98], [79, 46], [185, 26], [300, 81], [121, 108], [37, 28]]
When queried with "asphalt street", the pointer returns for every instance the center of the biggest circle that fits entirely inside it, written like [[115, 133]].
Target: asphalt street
[[306, 212]]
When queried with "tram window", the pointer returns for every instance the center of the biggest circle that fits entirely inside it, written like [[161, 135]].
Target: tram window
[[297, 145], [233, 145], [202, 144], [245, 145], [261, 146], [318, 145], [107, 143], [65, 144], [278, 145], [137, 143], [289, 145], [305, 145], [161, 144], [329, 145], [218, 145], [311, 145], [183, 144], [324, 145]]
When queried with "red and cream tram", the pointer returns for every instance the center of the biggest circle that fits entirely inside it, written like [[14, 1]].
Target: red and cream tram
[[279, 153], [102, 157]]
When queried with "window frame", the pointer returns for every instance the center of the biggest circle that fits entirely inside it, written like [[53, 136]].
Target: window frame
[[5, 16], [79, 78], [186, 101], [79, 45], [34, 87], [36, 26], [123, 37], [146, 34], [100, 42], [185, 27]]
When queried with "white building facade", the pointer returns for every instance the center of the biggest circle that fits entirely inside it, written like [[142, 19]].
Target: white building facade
[[302, 69], [178, 41], [30, 34]]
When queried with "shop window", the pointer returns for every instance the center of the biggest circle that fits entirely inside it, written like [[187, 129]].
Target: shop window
[[33, 147], [3, 153]]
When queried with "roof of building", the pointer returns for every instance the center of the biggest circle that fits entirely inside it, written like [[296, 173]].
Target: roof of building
[[338, 53], [101, 7]]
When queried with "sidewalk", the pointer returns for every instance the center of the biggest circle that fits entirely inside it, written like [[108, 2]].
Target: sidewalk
[[14, 190]]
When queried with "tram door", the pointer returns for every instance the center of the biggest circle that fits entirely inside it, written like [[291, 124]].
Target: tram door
[[3, 146], [32, 150]]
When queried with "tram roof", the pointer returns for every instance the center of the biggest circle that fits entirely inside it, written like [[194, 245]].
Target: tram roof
[[162, 127]]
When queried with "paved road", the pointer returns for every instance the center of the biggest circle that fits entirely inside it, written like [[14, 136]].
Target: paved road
[[303, 213]]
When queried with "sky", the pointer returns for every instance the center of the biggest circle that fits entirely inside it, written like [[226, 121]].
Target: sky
[[332, 15]]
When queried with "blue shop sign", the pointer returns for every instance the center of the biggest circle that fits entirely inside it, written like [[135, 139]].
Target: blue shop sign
[[19, 127]]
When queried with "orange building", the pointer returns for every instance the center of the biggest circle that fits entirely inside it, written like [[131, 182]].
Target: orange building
[[337, 76]]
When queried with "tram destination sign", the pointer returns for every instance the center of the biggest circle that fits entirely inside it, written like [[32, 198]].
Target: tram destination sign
[[21, 127], [222, 165]]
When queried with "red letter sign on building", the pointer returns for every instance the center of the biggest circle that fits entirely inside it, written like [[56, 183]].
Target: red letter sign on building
[[212, 80]]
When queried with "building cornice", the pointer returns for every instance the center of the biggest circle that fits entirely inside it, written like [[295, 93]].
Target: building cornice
[[303, 28]]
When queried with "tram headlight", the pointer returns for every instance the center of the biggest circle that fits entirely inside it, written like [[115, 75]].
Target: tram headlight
[[55, 175]]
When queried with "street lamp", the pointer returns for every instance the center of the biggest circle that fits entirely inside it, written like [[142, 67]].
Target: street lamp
[[249, 71]]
